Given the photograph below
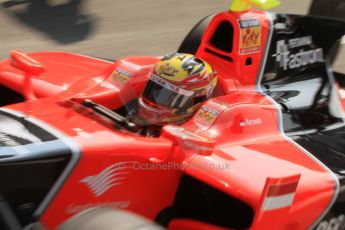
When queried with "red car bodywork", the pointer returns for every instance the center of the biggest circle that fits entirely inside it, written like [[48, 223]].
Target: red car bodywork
[[234, 143]]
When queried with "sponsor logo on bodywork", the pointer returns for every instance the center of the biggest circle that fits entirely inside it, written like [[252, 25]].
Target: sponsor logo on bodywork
[[250, 122], [289, 59], [76, 208], [121, 76], [333, 224], [250, 35], [207, 115], [112, 176]]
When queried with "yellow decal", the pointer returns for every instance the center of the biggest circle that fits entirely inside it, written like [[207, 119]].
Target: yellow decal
[[207, 115], [250, 35], [121, 76]]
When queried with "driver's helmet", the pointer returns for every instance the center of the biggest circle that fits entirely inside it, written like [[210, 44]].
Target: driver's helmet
[[179, 83]]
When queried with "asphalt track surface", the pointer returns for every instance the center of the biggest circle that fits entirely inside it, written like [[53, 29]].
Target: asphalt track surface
[[107, 28]]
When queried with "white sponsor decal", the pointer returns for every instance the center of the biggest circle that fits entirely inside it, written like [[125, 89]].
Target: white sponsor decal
[[111, 176], [16, 129], [298, 42], [76, 208], [124, 72], [336, 223], [195, 146], [276, 202], [288, 60], [250, 35], [251, 22], [170, 86], [251, 122], [279, 196]]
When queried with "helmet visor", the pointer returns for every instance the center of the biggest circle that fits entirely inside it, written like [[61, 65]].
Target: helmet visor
[[167, 94]]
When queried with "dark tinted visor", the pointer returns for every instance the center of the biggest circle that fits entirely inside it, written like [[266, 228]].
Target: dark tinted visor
[[168, 95]]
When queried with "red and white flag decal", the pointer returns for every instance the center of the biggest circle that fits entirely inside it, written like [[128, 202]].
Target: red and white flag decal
[[279, 195], [275, 202]]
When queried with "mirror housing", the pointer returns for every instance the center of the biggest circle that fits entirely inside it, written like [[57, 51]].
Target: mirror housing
[[30, 66], [24, 62]]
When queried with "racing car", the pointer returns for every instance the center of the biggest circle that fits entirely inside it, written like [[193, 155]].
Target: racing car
[[267, 151]]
